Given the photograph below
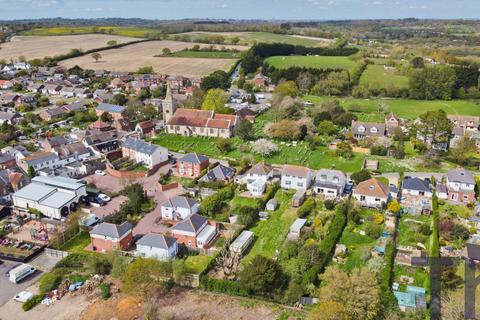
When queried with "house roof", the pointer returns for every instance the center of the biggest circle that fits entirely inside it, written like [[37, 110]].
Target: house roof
[[157, 241], [55, 111], [260, 169], [61, 182], [34, 191], [99, 124], [220, 172], [112, 230], [58, 199], [57, 141], [180, 202], [416, 184], [193, 223], [368, 128], [460, 176], [111, 108], [141, 146], [330, 178], [8, 115], [39, 157], [296, 171], [194, 158], [373, 188]]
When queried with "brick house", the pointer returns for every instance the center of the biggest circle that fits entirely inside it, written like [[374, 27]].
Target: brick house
[[195, 231], [108, 237], [192, 165]]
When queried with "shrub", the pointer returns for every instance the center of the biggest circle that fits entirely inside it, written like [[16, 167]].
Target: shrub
[[373, 230], [306, 208], [105, 291], [223, 286], [360, 176], [247, 215], [49, 282], [36, 299], [378, 151], [329, 204], [425, 229]]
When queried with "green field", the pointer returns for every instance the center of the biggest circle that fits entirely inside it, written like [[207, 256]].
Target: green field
[[368, 109], [135, 32], [249, 38], [376, 76], [77, 243], [317, 62], [205, 54]]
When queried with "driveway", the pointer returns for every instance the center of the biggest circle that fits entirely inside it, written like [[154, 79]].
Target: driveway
[[108, 209], [8, 289]]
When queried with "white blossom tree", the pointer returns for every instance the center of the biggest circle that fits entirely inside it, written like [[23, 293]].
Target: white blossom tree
[[264, 147]]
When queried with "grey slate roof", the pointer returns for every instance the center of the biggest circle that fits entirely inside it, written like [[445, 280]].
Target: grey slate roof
[[220, 172], [157, 241], [110, 108], [460, 176], [9, 115], [326, 177], [194, 158], [112, 230], [416, 184], [140, 146], [368, 126], [180, 202], [192, 223]]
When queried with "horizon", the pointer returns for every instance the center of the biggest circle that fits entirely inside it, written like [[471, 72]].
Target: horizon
[[318, 10]]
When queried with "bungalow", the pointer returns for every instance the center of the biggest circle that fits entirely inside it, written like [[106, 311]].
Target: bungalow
[[195, 231], [107, 237], [192, 165], [179, 208], [372, 193], [461, 186], [67, 92], [295, 177], [102, 96], [82, 93], [361, 130], [143, 152], [219, 173], [330, 183], [73, 107], [115, 111], [157, 246]]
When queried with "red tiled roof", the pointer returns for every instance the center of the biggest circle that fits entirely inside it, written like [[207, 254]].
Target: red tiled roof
[[219, 124]]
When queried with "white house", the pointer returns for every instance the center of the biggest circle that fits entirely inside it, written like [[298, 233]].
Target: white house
[[461, 186], [144, 152], [256, 178], [329, 183], [295, 177], [179, 207], [157, 246], [372, 193], [416, 187]]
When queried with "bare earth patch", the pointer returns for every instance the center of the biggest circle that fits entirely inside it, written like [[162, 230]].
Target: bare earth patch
[[32, 47], [132, 57]]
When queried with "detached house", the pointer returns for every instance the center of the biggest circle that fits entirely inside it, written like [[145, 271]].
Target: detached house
[[361, 130], [372, 193], [416, 195], [107, 237], [295, 177], [115, 111], [256, 178], [329, 183], [143, 152], [179, 208], [461, 186], [195, 231], [157, 246], [192, 165], [219, 173]]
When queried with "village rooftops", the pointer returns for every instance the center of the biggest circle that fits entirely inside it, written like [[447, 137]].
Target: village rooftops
[[39, 157], [111, 230], [111, 108], [156, 240], [140, 146]]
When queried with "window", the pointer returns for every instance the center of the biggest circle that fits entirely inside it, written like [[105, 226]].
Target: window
[[300, 184], [211, 130], [288, 182], [377, 199], [362, 198]]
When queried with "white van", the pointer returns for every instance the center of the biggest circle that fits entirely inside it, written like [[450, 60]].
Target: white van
[[21, 272]]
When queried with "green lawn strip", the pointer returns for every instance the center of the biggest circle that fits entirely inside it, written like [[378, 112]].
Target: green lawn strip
[[270, 234], [377, 76], [239, 201], [405, 108], [316, 62], [419, 275], [78, 243], [197, 264]]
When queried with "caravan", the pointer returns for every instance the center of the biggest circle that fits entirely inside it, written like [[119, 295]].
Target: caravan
[[21, 272]]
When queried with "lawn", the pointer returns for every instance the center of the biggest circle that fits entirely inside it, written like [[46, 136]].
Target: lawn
[[77, 244], [239, 201], [136, 32], [206, 54], [408, 230], [316, 62], [368, 109], [270, 234], [419, 275], [376, 76], [197, 264]]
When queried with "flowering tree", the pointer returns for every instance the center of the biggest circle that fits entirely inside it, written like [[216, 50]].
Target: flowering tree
[[264, 147]]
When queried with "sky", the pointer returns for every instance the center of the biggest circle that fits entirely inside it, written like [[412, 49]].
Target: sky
[[240, 9]]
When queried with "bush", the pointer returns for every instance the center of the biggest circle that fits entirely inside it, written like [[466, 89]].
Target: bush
[[223, 286], [306, 208], [329, 204], [425, 229], [36, 299], [247, 216], [105, 291], [378, 150], [49, 282], [373, 230], [360, 176]]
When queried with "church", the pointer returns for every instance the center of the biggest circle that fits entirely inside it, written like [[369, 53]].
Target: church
[[193, 122]]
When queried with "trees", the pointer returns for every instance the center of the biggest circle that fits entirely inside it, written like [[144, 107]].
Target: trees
[[433, 83], [336, 83], [264, 147], [119, 99], [215, 100], [196, 99], [106, 117], [434, 127], [263, 276], [216, 80], [31, 172], [344, 150], [247, 215], [224, 145], [360, 176], [112, 43], [462, 150], [145, 275], [96, 56], [357, 294], [327, 128], [244, 130]]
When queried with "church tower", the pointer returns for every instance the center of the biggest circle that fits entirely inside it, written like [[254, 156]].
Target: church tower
[[169, 105]]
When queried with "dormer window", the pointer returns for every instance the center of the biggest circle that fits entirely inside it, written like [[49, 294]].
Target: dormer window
[[335, 179], [361, 129], [323, 177], [373, 130]]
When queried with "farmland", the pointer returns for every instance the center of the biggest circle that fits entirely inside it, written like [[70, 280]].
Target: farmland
[[377, 76], [206, 54], [135, 32], [368, 109], [249, 38], [317, 62], [40, 47], [132, 57]]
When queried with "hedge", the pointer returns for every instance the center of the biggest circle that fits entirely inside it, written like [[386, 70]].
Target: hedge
[[386, 277], [49, 282], [223, 286], [36, 299], [306, 208]]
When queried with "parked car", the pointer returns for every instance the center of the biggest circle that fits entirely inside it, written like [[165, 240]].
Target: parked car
[[100, 173], [23, 296], [104, 197]]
